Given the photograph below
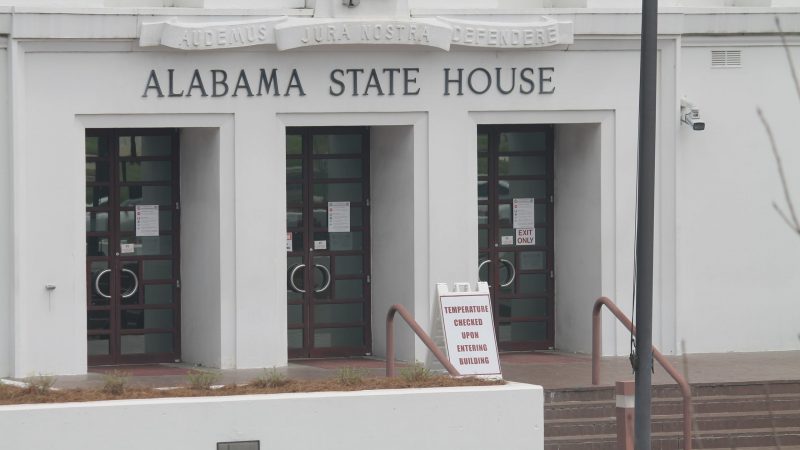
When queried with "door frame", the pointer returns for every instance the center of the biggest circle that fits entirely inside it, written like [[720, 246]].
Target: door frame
[[116, 261], [494, 247], [308, 350]]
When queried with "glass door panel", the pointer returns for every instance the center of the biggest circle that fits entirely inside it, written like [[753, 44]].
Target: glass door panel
[[515, 170], [132, 224], [328, 269]]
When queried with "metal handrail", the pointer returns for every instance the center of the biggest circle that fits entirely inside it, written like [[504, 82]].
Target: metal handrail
[[596, 340], [390, 369]]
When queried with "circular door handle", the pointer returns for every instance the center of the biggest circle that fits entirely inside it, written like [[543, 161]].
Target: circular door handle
[[480, 266], [327, 274], [291, 279], [97, 283], [131, 292], [511, 269]]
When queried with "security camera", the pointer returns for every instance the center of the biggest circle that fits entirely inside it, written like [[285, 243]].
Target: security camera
[[690, 115], [351, 3]]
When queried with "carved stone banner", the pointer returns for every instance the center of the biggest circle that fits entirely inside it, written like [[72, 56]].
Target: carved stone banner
[[543, 33], [427, 32], [289, 33], [206, 36]]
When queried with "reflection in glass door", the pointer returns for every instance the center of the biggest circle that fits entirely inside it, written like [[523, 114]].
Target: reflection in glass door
[[327, 242], [132, 246], [515, 220]]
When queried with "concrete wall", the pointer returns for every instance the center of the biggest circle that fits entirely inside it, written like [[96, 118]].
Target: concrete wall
[[6, 238], [201, 295], [392, 181], [374, 419], [578, 203], [738, 279]]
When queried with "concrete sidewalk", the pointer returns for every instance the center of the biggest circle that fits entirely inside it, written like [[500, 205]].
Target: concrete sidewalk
[[549, 369]]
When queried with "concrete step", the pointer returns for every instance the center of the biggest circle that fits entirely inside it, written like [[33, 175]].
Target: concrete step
[[765, 388], [783, 447], [745, 438], [578, 394], [580, 410], [750, 415], [734, 403], [777, 437], [668, 406], [743, 388], [674, 423]]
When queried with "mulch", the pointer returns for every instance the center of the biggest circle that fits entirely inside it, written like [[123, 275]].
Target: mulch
[[11, 395]]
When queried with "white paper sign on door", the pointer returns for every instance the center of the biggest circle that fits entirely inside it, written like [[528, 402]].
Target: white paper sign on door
[[523, 213], [338, 217], [146, 220], [288, 241]]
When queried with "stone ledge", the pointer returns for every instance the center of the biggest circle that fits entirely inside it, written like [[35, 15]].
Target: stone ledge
[[462, 417]]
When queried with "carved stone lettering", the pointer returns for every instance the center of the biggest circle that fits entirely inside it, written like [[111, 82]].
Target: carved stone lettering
[[219, 83], [352, 82], [429, 32], [203, 36], [289, 33], [543, 33]]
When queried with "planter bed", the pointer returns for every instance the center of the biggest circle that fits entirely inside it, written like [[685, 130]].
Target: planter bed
[[508, 416]]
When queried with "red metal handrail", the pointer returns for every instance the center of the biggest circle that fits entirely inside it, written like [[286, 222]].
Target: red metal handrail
[[596, 351], [390, 370]]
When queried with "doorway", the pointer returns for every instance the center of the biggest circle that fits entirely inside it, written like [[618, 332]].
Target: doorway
[[132, 246], [328, 241], [515, 232]]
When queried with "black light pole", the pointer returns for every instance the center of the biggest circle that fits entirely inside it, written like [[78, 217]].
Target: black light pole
[[644, 240]]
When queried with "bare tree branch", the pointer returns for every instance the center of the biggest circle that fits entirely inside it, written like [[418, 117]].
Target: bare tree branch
[[791, 219], [793, 223], [788, 56], [783, 215]]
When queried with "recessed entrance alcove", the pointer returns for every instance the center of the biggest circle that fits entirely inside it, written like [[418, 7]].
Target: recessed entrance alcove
[[583, 215], [396, 203], [202, 300]]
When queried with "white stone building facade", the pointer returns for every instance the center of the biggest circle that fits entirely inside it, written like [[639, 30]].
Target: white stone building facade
[[236, 183]]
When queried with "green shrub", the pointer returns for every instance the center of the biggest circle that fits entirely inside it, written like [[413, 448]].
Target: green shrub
[[351, 376], [40, 384], [270, 379], [416, 373], [202, 379], [114, 382]]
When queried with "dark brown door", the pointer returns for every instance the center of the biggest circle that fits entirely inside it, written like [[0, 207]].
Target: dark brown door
[[132, 246], [515, 172], [327, 224]]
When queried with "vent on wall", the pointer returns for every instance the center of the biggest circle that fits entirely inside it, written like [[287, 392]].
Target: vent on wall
[[726, 58]]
